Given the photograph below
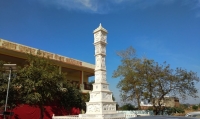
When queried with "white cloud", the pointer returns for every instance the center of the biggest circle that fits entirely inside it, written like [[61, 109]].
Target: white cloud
[[85, 5], [101, 6], [105, 6]]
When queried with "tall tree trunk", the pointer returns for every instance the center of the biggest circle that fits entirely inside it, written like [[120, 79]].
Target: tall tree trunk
[[138, 101], [41, 111], [155, 110]]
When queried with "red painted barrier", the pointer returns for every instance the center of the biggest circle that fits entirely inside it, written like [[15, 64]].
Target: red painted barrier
[[30, 112]]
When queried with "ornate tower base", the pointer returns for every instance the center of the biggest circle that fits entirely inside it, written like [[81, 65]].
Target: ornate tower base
[[101, 104]]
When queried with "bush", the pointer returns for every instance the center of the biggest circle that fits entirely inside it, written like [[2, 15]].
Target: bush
[[127, 107], [195, 107], [172, 110]]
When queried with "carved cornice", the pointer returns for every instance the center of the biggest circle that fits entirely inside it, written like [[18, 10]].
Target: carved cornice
[[100, 28]]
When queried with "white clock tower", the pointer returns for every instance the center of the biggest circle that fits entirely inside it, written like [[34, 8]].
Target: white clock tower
[[101, 104]]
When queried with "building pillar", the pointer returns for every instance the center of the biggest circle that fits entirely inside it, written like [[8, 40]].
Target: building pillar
[[60, 71], [81, 80], [82, 75]]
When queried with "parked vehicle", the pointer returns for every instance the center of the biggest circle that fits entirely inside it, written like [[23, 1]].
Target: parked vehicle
[[193, 114]]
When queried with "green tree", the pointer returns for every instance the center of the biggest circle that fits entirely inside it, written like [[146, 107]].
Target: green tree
[[146, 79], [13, 97], [70, 97], [127, 107], [39, 82], [172, 110], [195, 107], [180, 110], [184, 106], [129, 84], [3, 84], [85, 98]]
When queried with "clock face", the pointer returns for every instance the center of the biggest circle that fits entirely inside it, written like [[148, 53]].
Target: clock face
[[97, 36], [100, 36], [104, 38]]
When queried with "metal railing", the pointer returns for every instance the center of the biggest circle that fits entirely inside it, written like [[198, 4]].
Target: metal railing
[[88, 86]]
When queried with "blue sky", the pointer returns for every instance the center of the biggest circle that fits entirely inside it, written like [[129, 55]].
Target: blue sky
[[162, 30]]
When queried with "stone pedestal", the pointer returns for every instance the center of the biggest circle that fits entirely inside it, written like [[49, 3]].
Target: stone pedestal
[[101, 104]]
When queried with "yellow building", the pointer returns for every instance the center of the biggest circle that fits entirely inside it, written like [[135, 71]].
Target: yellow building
[[77, 71]]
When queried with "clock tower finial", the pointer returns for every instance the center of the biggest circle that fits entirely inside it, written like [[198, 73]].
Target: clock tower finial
[[100, 28]]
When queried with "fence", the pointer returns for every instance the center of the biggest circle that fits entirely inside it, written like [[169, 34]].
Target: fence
[[76, 117], [131, 113], [127, 114]]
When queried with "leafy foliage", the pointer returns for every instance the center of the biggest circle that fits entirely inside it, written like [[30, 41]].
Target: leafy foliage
[[85, 98], [13, 98], [3, 84], [39, 81], [195, 107], [184, 106], [69, 97], [146, 79], [172, 110], [127, 107], [130, 85]]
